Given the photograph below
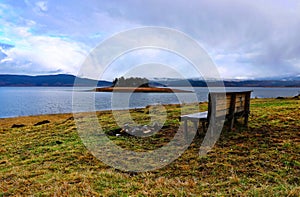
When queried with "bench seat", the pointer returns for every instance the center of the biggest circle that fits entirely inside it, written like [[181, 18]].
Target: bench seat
[[202, 116]]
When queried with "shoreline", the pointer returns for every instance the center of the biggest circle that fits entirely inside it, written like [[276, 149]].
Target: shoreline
[[109, 110], [140, 89]]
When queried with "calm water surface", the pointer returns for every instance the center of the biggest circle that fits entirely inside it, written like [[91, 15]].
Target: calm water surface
[[24, 101]]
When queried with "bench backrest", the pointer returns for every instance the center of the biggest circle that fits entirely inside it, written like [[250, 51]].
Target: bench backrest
[[228, 104]]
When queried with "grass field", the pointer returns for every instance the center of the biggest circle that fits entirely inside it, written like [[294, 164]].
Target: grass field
[[50, 159]]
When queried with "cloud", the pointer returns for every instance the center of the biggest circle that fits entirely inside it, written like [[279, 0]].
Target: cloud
[[268, 30], [38, 7], [42, 6], [82, 20], [25, 52], [33, 54], [2, 56], [38, 54], [150, 63], [244, 38]]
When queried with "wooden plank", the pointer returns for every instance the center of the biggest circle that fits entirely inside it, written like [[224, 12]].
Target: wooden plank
[[238, 95], [185, 129], [222, 107], [199, 115], [231, 111], [227, 102], [247, 108], [239, 109], [240, 104], [223, 112], [212, 118]]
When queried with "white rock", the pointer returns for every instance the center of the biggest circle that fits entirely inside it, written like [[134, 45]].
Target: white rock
[[147, 131]]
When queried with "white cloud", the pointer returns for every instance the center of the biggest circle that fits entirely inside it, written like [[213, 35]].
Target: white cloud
[[42, 53], [32, 53], [41, 6], [6, 59], [47, 54]]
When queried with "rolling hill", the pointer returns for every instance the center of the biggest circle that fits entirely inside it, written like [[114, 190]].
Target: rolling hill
[[48, 80]]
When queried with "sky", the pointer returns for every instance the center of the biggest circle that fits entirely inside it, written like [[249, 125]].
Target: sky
[[245, 39]]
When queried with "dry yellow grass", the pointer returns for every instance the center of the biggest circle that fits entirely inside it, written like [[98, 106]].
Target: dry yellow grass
[[50, 159]]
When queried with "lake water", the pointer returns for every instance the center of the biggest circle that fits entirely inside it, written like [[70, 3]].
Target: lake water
[[24, 101]]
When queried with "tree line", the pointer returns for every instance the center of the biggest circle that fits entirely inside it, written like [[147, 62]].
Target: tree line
[[130, 82]]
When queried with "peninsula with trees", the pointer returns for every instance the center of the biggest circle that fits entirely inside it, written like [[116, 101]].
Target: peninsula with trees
[[135, 84]]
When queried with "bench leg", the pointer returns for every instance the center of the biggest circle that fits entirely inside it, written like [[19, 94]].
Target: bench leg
[[246, 120], [196, 125], [185, 128], [231, 123], [235, 120], [203, 127]]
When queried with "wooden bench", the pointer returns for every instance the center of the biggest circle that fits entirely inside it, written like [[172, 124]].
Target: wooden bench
[[228, 106]]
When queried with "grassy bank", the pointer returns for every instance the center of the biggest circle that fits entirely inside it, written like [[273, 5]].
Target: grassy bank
[[50, 159]]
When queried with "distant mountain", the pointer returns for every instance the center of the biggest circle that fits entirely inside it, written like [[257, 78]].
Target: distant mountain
[[291, 81], [278, 81], [68, 80], [291, 78], [178, 82], [48, 80], [263, 83]]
